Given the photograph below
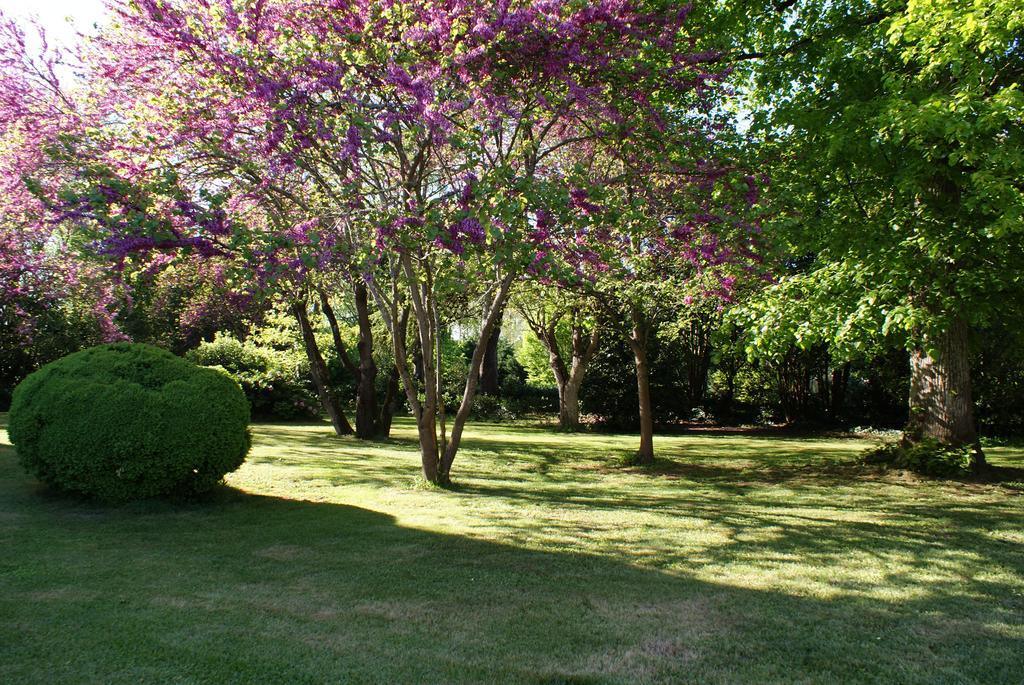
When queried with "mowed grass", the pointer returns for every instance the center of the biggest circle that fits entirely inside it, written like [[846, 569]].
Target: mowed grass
[[739, 559]]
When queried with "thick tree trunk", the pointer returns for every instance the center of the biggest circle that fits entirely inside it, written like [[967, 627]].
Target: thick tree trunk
[[367, 414], [489, 367], [638, 342], [318, 370], [941, 406], [569, 404]]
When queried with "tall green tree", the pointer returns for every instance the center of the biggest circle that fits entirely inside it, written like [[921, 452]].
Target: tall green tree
[[892, 133]]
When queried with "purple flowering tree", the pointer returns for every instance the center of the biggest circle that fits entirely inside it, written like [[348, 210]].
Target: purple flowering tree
[[40, 265], [434, 152]]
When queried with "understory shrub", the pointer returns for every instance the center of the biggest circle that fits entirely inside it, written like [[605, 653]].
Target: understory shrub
[[526, 402], [276, 382], [126, 421], [927, 457]]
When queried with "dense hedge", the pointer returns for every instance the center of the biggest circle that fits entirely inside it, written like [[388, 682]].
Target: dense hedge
[[121, 422], [276, 382]]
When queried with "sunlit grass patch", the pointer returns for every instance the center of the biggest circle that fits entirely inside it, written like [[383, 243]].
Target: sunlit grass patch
[[737, 558]]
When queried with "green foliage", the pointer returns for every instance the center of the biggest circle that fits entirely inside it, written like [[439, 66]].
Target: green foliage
[[58, 329], [609, 392], [121, 422], [533, 357], [516, 398], [512, 376], [926, 457], [276, 382], [893, 134], [455, 357], [526, 402], [998, 382], [183, 303]]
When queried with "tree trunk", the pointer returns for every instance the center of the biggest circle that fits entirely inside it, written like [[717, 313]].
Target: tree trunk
[[339, 344], [568, 378], [318, 370], [547, 336], [489, 367], [569, 404], [698, 360], [837, 391], [492, 313], [389, 406], [366, 388], [391, 393], [638, 342], [426, 428], [941, 406], [427, 420]]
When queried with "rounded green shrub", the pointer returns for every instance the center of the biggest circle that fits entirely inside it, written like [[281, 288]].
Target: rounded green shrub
[[122, 421]]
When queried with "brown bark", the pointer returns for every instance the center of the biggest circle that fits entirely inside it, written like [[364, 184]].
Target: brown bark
[[698, 344], [420, 295], [373, 418], [437, 452], [941, 406], [568, 377], [492, 313], [569, 406], [389, 304], [391, 394], [318, 370], [583, 348], [367, 415], [339, 344], [489, 367], [638, 343]]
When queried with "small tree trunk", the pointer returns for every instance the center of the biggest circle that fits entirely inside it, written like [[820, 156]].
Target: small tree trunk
[[424, 412], [941, 406], [391, 393], [424, 312], [638, 342], [318, 370], [366, 388], [389, 406], [489, 367], [561, 374], [468, 394]]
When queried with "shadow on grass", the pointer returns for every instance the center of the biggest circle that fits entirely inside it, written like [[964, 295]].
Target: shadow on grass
[[733, 569], [250, 588]]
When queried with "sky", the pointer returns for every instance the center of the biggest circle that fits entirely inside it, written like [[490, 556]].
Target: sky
[[54, 15]]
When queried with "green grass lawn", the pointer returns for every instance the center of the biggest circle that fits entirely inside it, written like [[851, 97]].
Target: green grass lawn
[[738, 559]]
